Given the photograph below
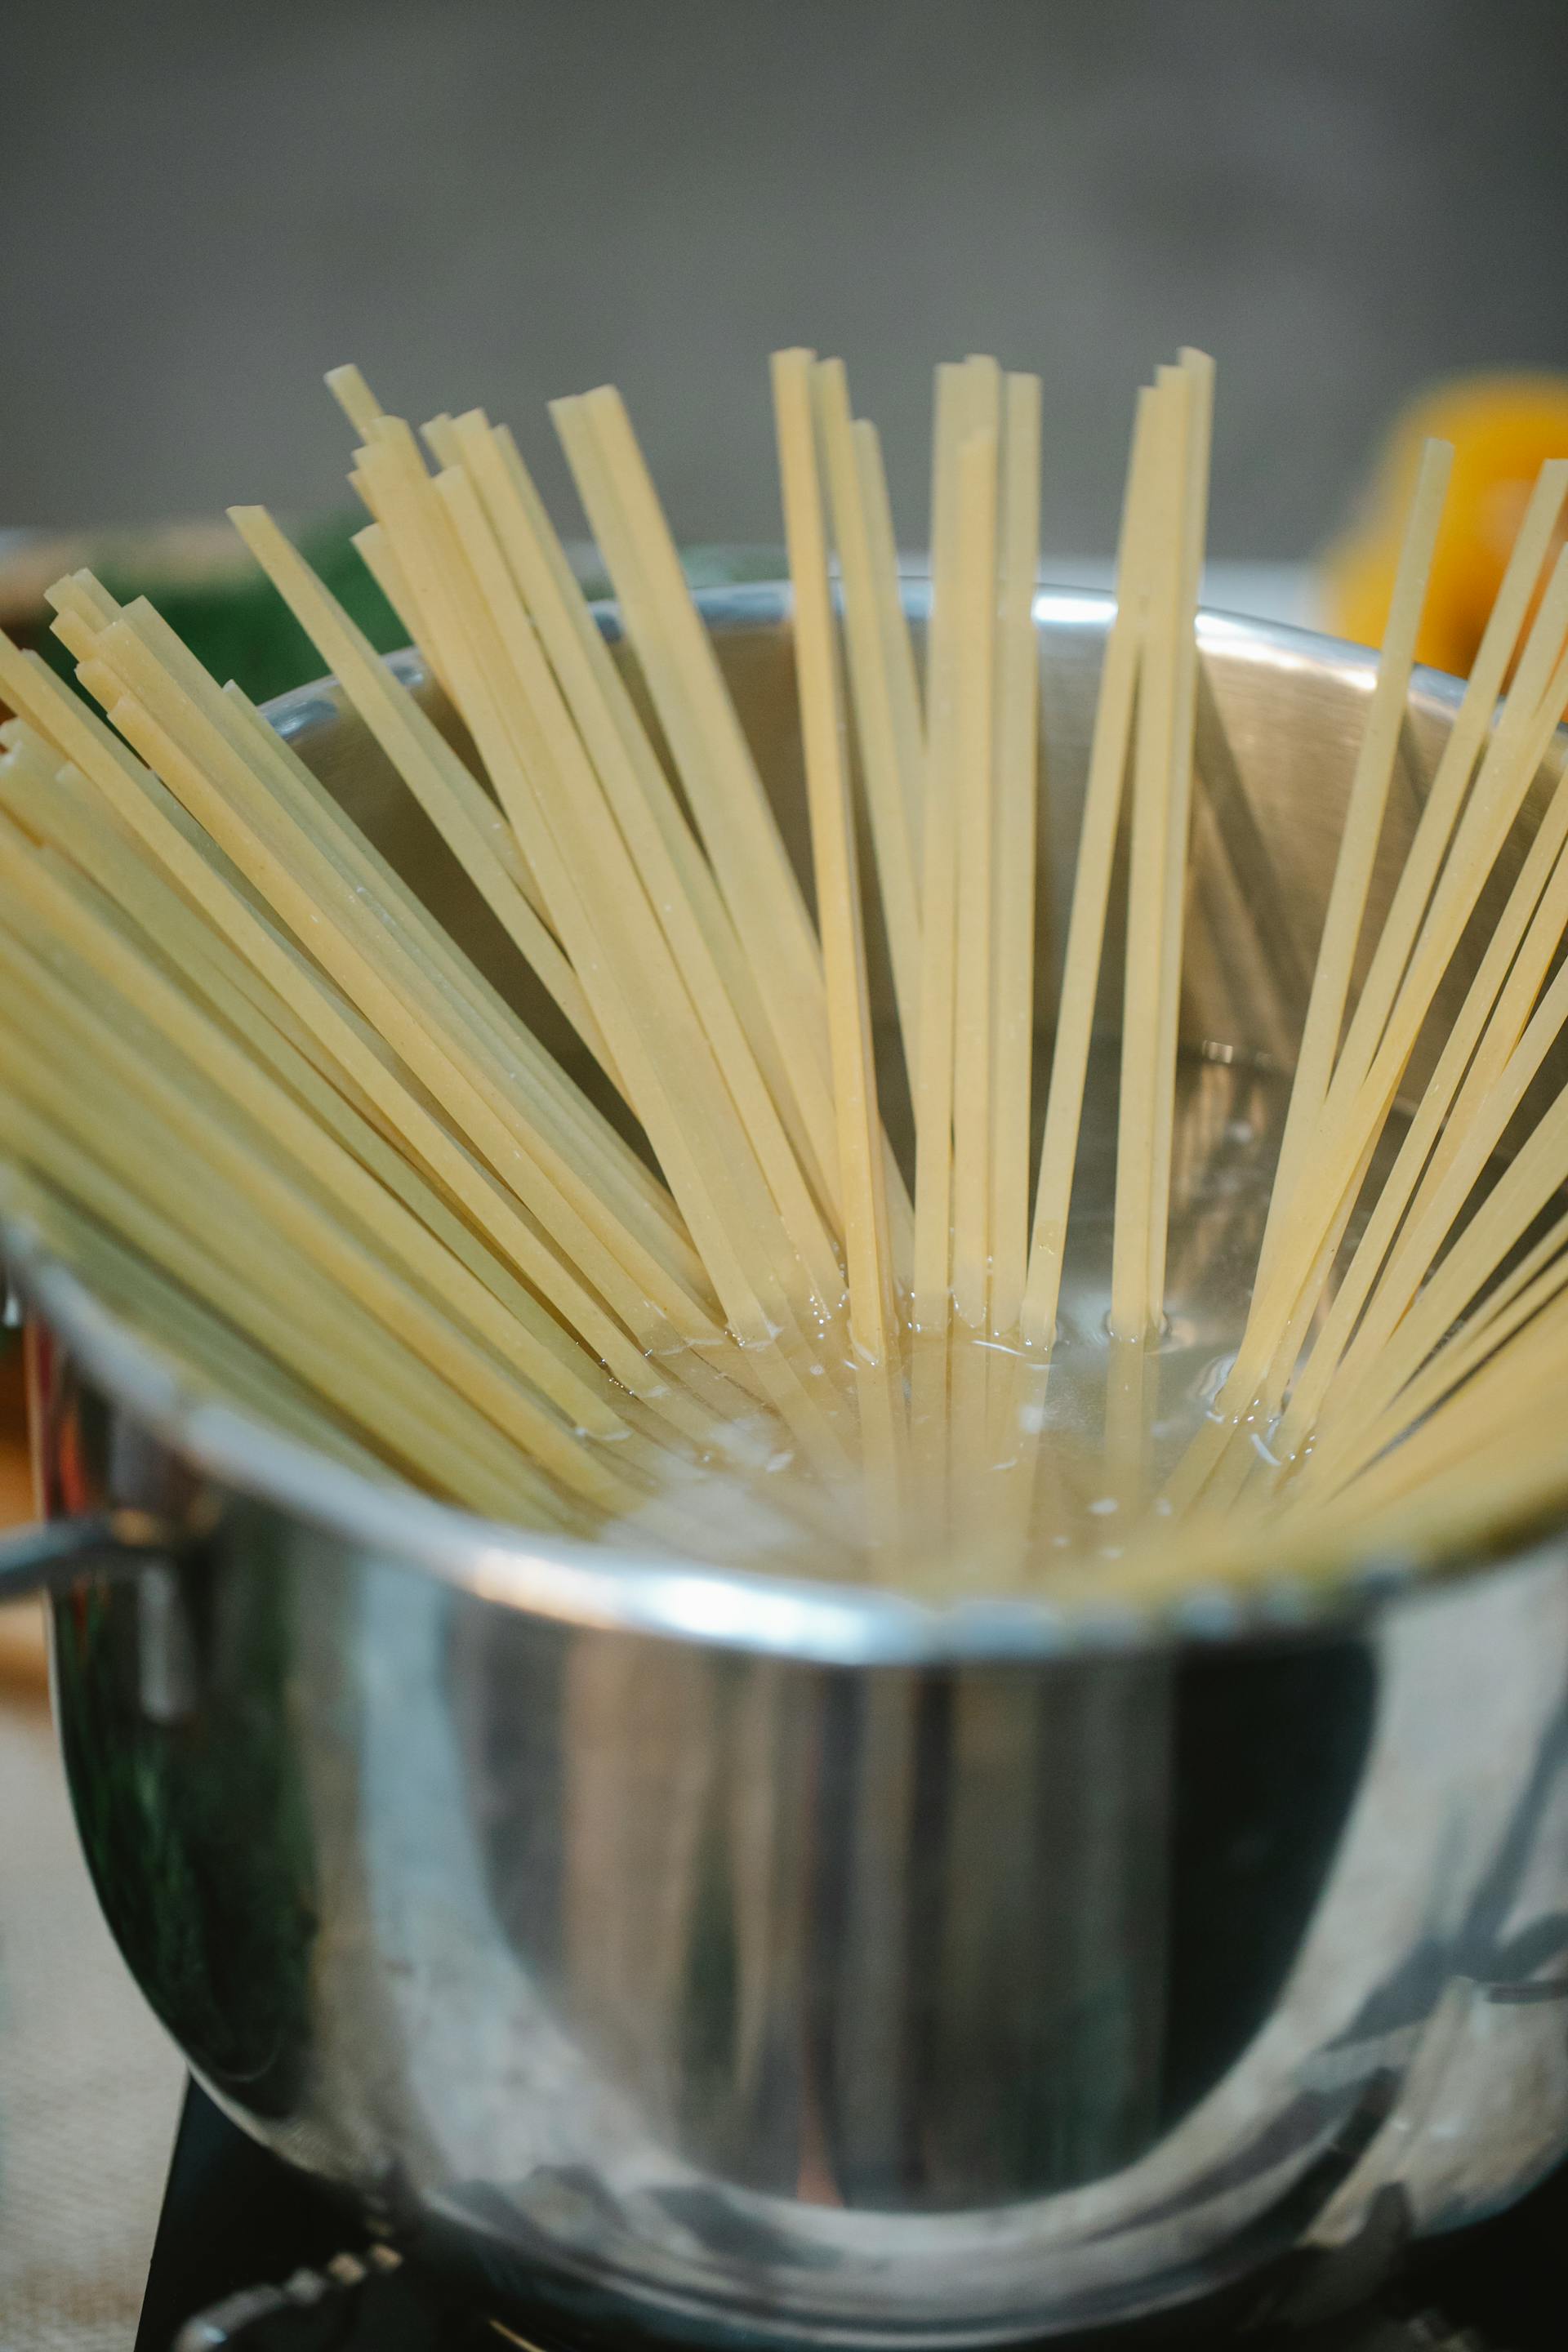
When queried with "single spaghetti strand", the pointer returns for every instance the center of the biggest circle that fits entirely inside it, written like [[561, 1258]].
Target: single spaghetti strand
[[1199, 369], [1091, 889], [932, 1079], [1135, 1141], [973, 1491], [1017, 793], [933, 1071], [899, 653], [974, 693], [355, 397], [872, 1324], [882, 755], [1129, 1369]]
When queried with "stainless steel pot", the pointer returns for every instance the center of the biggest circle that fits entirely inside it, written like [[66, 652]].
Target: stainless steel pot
[[726, 1960]]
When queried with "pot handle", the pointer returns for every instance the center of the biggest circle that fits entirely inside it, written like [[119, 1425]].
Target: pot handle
[[52, 1551]]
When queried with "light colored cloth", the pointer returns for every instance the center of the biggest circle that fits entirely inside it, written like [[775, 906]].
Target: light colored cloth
[[89, 2085]]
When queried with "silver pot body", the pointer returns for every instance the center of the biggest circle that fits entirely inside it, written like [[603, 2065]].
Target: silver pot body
[[684, 1954]]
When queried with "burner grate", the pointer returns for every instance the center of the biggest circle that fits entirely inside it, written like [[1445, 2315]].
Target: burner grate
[[234, 2218]]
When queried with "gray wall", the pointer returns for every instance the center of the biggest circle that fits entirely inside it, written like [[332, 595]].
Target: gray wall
[[203, 206]]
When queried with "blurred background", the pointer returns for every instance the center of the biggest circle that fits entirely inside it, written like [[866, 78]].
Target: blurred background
[[203, 207], [501, 200]]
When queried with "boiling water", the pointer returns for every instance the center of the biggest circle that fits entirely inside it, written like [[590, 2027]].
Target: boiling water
[[1229, 1118], [1099, 1435]]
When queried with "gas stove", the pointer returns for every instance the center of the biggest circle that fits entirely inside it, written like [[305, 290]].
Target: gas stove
[[252, 2255]]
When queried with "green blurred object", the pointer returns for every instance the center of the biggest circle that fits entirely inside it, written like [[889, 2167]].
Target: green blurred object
[[704, 566], [238, 628]]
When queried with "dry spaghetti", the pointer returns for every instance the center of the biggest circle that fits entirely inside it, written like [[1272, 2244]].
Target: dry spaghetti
[[278, 1117]]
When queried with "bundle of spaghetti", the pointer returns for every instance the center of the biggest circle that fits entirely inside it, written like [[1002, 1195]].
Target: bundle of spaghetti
[[276, 1115], [439, 1086], [1409, 1278], [149, 999], [784, 1177], [1476, 1470]]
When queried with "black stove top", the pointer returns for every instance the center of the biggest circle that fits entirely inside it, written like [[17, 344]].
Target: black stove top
[[251, 2254]]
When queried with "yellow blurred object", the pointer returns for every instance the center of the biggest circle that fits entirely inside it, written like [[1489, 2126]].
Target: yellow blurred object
[[1504, 427]]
